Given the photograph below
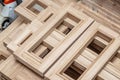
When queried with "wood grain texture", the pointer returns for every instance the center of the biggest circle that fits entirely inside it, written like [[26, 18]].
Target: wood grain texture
[[62, 40]]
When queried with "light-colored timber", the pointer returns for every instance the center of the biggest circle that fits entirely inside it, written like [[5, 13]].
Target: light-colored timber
[[62, 40]]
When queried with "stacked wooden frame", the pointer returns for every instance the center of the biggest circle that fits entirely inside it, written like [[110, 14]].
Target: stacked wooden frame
[[58, 40]]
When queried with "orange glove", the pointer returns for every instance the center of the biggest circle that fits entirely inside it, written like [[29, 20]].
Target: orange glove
[[8, 1]]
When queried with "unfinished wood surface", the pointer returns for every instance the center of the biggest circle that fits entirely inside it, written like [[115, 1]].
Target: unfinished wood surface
[[11, 69], [67, 68], [68, 24], [62, 40], [104, 8], [92, 9]]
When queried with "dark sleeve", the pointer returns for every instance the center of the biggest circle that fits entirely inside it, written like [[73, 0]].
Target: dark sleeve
[[1, 1], [18, 1]]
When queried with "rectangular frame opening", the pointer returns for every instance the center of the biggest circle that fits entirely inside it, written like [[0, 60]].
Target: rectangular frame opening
[[41, 49], [2, 58], [74, 71], [99, 43], [68, 23], [36, 7]]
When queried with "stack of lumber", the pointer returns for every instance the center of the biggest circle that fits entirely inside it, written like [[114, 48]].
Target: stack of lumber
[[61, 40]]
